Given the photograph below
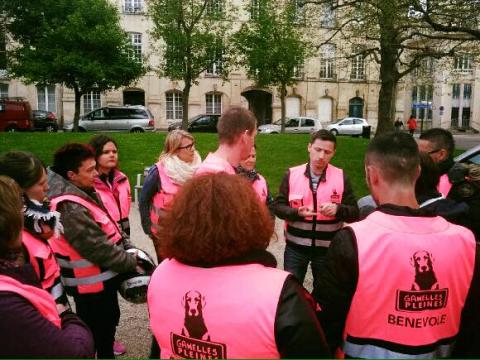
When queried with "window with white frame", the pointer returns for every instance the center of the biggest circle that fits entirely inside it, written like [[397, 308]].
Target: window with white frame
[[214, 8], [136, 40], [254, 9], [463, 63], [425, 68], [3, 90], [358, 67], [132, 6], [46, 98], [174, 100], [327, 61], [216, 67], [213, 103], [91, 101], [461, 104], [327, 19]]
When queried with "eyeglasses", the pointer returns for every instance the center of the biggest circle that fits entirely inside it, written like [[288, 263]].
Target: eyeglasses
[[188, 147]]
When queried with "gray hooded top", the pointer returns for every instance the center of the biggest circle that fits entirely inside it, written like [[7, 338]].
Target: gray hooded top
[[83, 233]]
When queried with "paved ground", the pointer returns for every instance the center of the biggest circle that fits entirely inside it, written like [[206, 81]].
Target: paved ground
[[133, 329]]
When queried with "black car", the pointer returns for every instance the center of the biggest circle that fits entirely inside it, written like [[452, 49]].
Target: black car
[[44, 121], [199, 123]]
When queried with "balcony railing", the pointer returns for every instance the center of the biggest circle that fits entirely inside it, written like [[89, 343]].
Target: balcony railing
[[132, 9]]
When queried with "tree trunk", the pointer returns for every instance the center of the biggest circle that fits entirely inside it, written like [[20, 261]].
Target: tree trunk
[[388, 74], [185, 99], [76, 116], [283, 94]]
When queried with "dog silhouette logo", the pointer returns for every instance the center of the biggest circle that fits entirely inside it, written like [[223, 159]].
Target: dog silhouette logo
[[194, 323], [425, 279], [335, 198], [194, 341]]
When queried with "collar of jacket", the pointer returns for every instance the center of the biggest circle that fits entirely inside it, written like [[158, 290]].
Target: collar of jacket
[[323, 176], [262, 257]]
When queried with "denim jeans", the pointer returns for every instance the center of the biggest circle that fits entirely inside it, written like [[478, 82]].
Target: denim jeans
[[297, 258]]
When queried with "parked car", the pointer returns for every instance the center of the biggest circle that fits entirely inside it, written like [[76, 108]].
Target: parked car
[[471, 156], [44, 120], [199, 123], [348, 126], [134, 118], [15, 115], [296, 125]]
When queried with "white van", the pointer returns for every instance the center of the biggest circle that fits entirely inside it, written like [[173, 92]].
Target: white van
[[296, 125]]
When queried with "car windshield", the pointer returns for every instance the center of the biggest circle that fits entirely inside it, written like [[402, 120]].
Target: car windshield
[[279, 122]]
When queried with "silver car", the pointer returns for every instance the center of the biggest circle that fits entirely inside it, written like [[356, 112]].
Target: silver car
[[348, 126], [296, 125], [135, 118]]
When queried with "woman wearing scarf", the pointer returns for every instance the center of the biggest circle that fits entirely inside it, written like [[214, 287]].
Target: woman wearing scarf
[[40, 224], [247, 169], [176, 164], [30, 324]]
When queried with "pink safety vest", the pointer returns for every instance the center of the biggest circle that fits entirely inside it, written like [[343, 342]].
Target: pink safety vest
[[162, 199], [413, 279], [117, 197], [444, 185], [260, 187], [214, 164], [219, 313], [40, 251], [87, 277], [39, 298], [300, 194]]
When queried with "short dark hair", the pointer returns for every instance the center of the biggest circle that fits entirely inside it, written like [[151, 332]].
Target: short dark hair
[[441, 139], [397, 156], [234, 122], [98, 142], [70, 157], [429, 177], [324, 135], [23, 167]]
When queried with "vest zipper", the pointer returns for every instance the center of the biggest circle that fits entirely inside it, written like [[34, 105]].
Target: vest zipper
[[314, 219]]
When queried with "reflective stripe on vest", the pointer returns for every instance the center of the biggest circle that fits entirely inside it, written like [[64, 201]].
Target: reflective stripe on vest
[[57, 291], [300, 194], [88, 277], [233, 308], [40, 251], [411, 285], [39, 298], [214, 164], [444, 185], [116, 197], [163, 198], [260, 187]]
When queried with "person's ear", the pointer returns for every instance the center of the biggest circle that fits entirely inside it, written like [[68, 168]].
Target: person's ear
[[443, 154], [71, 174]]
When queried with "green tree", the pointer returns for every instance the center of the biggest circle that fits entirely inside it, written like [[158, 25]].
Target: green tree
[[78, 43], [271, 46], [394, 35], [192, 35]]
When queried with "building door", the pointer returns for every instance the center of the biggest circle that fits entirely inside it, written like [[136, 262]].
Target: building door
[[355, 108], [324, 110], [293, 107], [134, 97], [260, 103]]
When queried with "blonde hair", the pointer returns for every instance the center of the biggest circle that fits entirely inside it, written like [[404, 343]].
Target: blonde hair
[[474, 172], [11, 215], [173, 141]]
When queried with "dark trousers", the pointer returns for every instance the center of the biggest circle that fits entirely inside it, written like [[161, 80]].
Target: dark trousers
[[101, 313], [297, 258]]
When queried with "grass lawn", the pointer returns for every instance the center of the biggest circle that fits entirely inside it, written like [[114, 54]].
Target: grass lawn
[[275, 153]]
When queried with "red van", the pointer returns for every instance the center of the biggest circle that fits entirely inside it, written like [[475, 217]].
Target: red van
[[15, 115]]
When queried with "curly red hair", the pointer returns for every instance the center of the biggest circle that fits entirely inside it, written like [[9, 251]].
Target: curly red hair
[[214, 218]]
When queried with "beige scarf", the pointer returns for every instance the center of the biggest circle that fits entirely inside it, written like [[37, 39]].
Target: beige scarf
[[180, 171]]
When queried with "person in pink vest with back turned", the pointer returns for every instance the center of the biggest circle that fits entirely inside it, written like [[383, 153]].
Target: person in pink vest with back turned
[[30, 324], [113, 189], [218, 294], [314, 200], [440, 145], [403, 282], [92, 250], [247, 169], [237, 128]]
